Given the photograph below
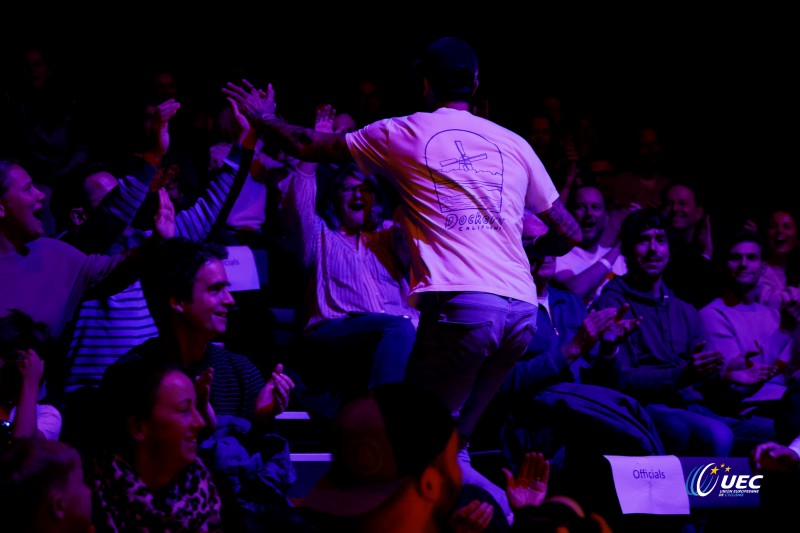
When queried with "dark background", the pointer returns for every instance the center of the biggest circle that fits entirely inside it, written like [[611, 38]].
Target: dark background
[[720, 85]]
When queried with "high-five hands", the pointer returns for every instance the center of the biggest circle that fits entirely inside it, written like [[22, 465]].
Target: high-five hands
[[256, 104]]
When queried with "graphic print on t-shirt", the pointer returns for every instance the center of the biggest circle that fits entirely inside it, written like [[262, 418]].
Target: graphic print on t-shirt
[[467, 172]]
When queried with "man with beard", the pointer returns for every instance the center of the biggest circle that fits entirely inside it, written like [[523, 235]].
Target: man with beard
[[665, 363], [394, 465], [463, 183], [586, 268]]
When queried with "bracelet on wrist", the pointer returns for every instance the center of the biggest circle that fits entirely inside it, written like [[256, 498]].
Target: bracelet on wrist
[[269, 116]]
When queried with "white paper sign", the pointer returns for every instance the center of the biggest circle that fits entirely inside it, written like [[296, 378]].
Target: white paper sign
[[652, 484], [241, 269]]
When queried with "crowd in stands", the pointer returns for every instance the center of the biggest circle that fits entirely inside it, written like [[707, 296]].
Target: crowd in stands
[[455, 285]]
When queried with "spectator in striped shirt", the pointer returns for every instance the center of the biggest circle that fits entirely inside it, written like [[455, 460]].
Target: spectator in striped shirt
[[358, 327], [97, 211], [186, 285]]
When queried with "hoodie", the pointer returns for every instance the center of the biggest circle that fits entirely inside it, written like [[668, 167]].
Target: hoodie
[[650, 363]]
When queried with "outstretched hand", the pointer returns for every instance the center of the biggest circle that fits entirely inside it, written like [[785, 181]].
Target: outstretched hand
[[529, 486], [324, 118], [255, 104]]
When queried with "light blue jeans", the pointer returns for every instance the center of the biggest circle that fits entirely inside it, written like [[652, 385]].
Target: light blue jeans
[[466, 344]]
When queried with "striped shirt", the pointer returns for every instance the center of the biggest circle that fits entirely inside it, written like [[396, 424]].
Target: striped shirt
[[103, 330], [348, 274], [237, 381]]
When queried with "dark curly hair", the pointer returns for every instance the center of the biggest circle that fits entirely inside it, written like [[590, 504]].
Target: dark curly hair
[[637, 222]]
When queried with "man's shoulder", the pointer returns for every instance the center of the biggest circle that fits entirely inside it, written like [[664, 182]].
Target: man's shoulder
[[51, 245], [713, 307], [566, 296], [613, 292], [148, 348], [145, 349]]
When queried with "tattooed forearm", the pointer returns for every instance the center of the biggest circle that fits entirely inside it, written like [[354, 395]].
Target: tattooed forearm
[[310, 145], [563, 233]]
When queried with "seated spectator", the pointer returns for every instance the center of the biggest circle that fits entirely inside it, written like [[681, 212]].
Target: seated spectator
[[148, 475], [665, 363], [23, 345], [780, 281], [758, 342], [43, 489], [544, 404], [359, 328], [586, 268], [186, 288], [692, 272]]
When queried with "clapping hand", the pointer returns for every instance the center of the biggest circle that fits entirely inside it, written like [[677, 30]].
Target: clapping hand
[[617, 330], [705, 238], [529, 486], [705, 363], [274, 397], [745, 372], [31, 368], [774, 457], [202, 388], [164, 220], [160, 127], [475, 516]]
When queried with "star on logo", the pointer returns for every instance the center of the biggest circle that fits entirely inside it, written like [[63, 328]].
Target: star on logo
[[728, 469], [714, 470]]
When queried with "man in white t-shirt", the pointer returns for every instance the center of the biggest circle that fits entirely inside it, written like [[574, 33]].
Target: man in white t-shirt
[[586, 268], [463, 183]]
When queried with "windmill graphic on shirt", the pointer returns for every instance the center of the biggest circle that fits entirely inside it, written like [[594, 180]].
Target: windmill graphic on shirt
[[465, 161], [467, 171]]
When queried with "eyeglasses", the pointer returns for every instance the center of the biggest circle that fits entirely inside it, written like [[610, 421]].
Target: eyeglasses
[[362, 188]]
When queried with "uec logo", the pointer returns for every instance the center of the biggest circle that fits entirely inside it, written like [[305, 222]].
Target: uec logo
[[702, 480]]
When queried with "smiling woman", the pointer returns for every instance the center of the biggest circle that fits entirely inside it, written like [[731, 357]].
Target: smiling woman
[[149, 476]]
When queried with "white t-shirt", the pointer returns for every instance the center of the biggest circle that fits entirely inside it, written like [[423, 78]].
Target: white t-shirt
[[48, 420], [464, 182], [577, 260]]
